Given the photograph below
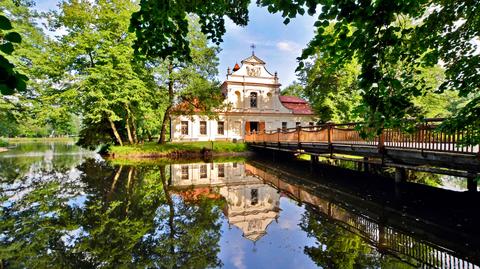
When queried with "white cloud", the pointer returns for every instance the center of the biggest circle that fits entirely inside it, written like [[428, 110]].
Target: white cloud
[[239, 260], [288, 46]]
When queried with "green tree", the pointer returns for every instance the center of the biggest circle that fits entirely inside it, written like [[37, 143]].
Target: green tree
[[294, 89], [191, 84], [33, 112], [334, 95], [110, 86]]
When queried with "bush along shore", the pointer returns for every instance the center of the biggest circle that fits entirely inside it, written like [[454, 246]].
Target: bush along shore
[[3, 145], [178, 150]]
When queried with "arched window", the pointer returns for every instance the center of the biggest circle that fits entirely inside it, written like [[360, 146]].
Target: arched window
[[269, 100], [239, 99], [253, 99]]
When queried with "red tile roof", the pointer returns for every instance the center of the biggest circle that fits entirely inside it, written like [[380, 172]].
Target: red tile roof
[[297, 105], [236, 67]]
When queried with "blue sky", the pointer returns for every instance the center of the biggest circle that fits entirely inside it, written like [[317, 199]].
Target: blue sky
[[277, 44]]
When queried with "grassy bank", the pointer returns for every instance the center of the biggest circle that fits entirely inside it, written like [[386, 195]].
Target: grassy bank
[[3, 143], [40, 139], [154, 149]]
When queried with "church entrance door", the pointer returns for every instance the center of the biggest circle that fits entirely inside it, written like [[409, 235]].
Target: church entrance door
[[254, 126]]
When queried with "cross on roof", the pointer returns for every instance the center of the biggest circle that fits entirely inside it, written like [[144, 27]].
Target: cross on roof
[[253, 48]]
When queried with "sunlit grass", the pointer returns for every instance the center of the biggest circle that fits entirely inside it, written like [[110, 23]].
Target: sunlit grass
[[153, 148]]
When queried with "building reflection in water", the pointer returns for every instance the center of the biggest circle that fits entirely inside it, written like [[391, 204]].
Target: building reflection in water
[[251, 204], [252, 197]]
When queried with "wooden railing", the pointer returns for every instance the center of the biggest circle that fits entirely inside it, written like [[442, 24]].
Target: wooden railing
[[425, 136]]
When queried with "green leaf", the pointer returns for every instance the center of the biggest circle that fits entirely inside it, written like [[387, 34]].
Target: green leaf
[[13, 37], [7, 48], [5, 89], [286, 21], [21, 84], [5, 23], [396, 84]]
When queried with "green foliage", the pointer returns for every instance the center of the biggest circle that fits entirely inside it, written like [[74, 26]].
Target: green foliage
[[162, 27], [294, 89], [3, 143], [111, 88], [10, 78], [333, 94], [33, 112]]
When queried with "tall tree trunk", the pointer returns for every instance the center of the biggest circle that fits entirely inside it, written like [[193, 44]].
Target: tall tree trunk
[[115, 132], [134, 129], [129, 133], [162, 139], [166, 115]]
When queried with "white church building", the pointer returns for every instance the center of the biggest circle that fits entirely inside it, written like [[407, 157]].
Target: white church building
[[252, 95]]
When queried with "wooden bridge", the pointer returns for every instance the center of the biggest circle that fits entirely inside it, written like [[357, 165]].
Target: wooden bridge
[[425, 145]]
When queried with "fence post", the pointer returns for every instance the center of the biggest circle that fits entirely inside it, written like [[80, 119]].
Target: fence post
[[330, 138], [299, 128], [278, 137], [381, 142]]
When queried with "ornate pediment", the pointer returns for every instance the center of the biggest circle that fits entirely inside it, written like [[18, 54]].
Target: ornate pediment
[[253, 71], [253, 60]]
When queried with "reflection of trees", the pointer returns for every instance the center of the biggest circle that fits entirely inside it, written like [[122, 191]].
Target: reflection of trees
[[186, 235], [128, 218], [40, 158], [33, 220], [337, 247]]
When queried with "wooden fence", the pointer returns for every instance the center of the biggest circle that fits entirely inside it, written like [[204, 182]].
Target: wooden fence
[[424, 136]]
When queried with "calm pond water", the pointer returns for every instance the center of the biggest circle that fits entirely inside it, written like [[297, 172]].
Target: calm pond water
[[64, 207]]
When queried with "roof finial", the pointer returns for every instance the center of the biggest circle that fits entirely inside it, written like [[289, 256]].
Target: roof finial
[[253, 49]]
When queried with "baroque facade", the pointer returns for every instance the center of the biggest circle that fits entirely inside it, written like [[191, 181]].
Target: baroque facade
[[252, 95]]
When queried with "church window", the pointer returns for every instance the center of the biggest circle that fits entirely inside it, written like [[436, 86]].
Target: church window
[[253, 99], [221, 170], [311, 123], [184, 128], [297, 124], [284, 126], [203, 171], [221, 128], [184, 172], [203, 127], [239, 99], [254, 196]]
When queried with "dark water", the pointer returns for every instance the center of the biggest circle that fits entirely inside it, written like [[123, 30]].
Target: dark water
[[61, 207]]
